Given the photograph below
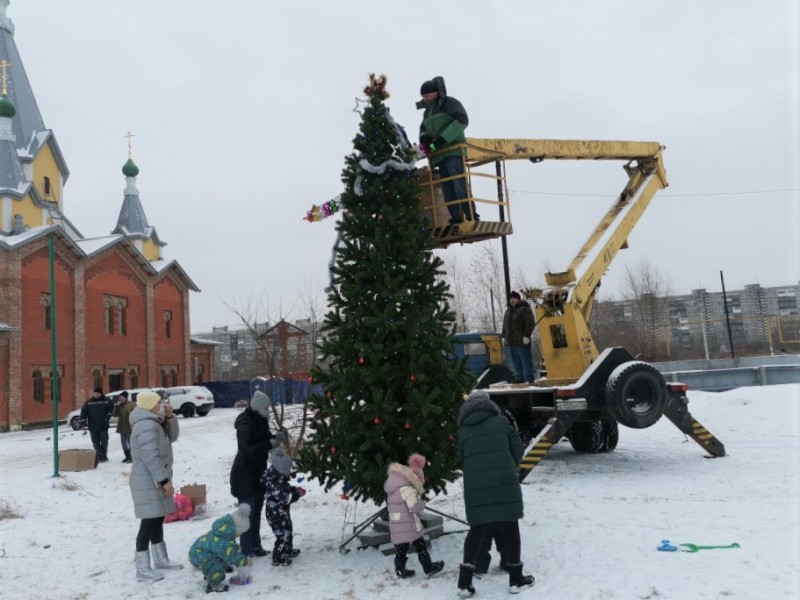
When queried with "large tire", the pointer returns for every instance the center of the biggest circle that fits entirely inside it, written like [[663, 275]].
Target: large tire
[[610, 435], [202, 413], [636, 394], [187, 410], [587, 437], [75, 423]]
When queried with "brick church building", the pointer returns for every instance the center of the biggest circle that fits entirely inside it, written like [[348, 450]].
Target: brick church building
[[121, 311]]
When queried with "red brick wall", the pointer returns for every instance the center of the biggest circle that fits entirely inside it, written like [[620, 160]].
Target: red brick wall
[[202, 357], [112, 276], [36, 346], [82, 340], [171, 350]]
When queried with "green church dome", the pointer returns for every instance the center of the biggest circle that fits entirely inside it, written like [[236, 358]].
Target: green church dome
[[129, 169], [7, 108]]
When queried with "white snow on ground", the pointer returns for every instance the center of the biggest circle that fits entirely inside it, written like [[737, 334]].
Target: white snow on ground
[[592, 522]]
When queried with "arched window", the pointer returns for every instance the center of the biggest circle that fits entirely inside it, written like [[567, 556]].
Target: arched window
[[97, 379], [174, 377], [45, 302], [164, 378], [47, 188], [109, 316], [168, 323], [134, 378], [38, 386], [123, 326]]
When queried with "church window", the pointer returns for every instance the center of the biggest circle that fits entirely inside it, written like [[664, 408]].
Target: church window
[[45, 302], [48, 189], [97, 379], [38, 386], [168, 323], [133, 375]]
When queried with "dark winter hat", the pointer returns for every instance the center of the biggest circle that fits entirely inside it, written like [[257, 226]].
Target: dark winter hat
[[260, 401], [282, 463], [428, 87], [241, 518], [123, 394], [98, 390], [515, 295]]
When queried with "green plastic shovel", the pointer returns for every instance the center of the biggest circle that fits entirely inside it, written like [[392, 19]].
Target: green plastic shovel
[[696, 548]]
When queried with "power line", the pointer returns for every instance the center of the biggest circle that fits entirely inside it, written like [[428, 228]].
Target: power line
[[773, 191]]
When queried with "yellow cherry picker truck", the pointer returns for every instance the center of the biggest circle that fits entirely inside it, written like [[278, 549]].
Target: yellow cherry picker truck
[[586, 393]]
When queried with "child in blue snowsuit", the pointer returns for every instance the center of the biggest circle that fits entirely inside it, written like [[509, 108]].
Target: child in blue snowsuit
[[212, 552], [279, 496]]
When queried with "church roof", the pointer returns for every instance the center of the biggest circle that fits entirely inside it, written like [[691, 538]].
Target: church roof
[[12, 179], [28, 119]]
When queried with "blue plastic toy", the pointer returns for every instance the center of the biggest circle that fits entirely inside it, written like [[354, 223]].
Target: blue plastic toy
[[667, 547]]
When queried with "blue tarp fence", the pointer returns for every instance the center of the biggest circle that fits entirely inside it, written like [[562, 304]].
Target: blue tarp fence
[[228, 393], [284, 391]]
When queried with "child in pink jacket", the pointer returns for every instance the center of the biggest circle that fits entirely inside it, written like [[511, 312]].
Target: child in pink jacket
[[404, 489]]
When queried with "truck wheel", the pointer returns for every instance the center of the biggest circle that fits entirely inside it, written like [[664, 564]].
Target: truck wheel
[[187, 410], [587, 437], [636, 394], [610, 435], [202, 413]]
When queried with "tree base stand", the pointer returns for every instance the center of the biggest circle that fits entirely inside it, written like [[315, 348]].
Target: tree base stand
[[379, 537]]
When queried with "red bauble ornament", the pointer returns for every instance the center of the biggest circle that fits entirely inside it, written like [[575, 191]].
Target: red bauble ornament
[[329, 395], [407, 426], [377, 420], [310, 379], [345, 497], [333, 449], [451, 437], [413, 378], [361, 360], [312, 425]]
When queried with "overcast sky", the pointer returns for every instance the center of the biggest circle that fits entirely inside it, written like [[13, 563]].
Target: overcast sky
[[242, 112]]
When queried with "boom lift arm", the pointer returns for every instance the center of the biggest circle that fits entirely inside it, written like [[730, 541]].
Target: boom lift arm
[[564, 307]]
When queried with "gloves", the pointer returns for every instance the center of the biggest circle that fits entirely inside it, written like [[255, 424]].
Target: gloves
[[278, 441], [297, 493], [425, 139], [244, 575], [439, 143], [526, 340], [505, 342]]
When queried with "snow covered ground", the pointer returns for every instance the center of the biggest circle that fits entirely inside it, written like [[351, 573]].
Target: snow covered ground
[[592, 522]]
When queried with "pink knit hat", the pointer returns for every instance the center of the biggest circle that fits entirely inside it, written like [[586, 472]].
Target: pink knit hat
[[416, 463]]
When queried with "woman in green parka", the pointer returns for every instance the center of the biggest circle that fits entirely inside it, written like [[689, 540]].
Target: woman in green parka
[[490, 450]]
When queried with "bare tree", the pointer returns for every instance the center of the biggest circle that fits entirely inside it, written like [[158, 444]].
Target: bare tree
[[453, 275], [284, 350], [487, 288], [647, 291]]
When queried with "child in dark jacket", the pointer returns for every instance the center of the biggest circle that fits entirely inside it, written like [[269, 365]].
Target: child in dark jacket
[[278, 497], [214, 551], [404, 489]]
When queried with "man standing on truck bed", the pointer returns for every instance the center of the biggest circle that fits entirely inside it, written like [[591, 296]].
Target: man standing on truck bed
[[518, 325]]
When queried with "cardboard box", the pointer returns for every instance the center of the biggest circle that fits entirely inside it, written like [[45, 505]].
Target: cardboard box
[[197, 494], [430, 194], [77, 460]]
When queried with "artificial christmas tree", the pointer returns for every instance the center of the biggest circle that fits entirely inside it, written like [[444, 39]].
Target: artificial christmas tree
[[392, 384]]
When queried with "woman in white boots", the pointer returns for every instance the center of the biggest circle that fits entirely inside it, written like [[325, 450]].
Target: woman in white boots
[[153, 429]]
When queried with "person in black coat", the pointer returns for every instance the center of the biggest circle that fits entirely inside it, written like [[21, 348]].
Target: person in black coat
[[254, 440], [96, 412]]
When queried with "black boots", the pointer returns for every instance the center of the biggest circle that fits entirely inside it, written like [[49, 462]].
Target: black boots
[[431, 568], [400, 568], [465, 589], [127, 458], [516, 580]]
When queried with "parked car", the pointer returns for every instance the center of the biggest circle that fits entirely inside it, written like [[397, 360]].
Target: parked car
[[190, 400], [74, 417]]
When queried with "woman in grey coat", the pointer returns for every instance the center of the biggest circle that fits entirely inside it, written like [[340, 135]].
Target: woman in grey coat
[[153, 429]]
